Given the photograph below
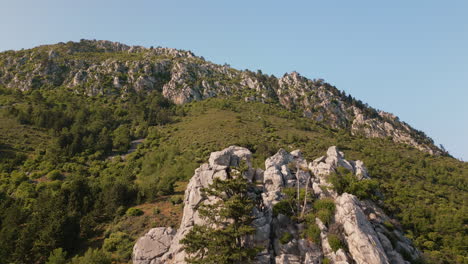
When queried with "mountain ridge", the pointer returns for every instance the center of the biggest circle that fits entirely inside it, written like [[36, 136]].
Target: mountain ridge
[[112, 68], [70, 112]]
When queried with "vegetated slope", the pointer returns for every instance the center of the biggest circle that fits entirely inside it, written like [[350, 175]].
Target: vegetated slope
[[427, 193], [104, 68], [64, 192]]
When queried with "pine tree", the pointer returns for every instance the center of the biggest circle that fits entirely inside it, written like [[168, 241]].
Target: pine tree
[[228, 224]]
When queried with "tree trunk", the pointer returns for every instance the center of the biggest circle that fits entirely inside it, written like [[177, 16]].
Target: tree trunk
[[305, 196]]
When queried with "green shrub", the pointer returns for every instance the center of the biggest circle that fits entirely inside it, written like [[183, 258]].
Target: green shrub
[[285, 238], [325, 216], [335, 242], [121, 210], [326, 203], [54, 175], [309, 218], [312, 232], [326, 260], [176, 199], [344, 181], [92, 256], [134, 212], [120, 244], [282, 207], [57, 256]]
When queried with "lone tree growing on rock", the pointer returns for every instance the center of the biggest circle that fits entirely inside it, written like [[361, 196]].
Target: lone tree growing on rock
[[228, 224]]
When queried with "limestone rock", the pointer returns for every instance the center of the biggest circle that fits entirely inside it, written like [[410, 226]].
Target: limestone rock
[[231, 156], [363, 242], [152, 245], [361, 222], [203, 177], [361, 170]]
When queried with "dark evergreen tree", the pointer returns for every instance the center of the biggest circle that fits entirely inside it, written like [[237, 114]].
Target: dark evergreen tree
[[223, 238]]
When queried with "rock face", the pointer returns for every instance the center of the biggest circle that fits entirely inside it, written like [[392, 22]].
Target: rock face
[[216, 168], [182, 77], [368, 233], [153, 244], [363, 242]]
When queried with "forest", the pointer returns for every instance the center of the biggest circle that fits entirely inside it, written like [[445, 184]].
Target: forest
[[70, 192]]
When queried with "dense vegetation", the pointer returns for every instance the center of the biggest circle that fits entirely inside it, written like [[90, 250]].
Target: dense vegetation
[[67, 183], [229, 222]]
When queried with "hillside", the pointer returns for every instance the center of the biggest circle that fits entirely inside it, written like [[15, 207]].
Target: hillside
[[70, 111], [110, 68]]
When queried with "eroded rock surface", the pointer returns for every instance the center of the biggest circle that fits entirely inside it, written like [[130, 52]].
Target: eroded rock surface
[[364, 226], [153, 244]]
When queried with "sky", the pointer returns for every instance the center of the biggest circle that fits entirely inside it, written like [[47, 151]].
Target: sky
[[409, 58]]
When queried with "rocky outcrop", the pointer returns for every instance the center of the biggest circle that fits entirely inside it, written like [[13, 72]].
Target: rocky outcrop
[[363, 243], [368, 233], [217, 167], [182, 77], [153, 244], [387, 125]]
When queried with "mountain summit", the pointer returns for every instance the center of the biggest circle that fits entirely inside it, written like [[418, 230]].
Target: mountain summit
[[102, 67]]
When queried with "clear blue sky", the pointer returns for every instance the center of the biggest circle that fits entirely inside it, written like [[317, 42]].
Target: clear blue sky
[[405, 57]]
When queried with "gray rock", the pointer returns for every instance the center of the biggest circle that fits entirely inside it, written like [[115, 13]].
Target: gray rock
[[230, 156], [362, 222], [152, 245], [363, 242], [361, 170], [288, 259], [282, 157]]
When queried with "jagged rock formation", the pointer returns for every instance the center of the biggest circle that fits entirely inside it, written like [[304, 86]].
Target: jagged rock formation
[[153, 244], [365, 228], [104, 67]]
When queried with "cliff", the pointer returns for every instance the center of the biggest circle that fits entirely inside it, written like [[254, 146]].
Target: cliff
[[365, 231]]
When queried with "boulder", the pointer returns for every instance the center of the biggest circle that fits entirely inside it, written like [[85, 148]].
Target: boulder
[[363, 242], [152, 245], [230, 156], [361, 170]]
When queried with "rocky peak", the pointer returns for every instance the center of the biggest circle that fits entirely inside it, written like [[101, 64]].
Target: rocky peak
[[365, 227], [182, 77]]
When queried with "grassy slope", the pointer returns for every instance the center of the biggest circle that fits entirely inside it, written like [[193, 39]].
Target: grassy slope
[[427, 194]]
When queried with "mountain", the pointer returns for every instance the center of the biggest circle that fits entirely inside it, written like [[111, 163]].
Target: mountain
[[103, 67], [99, 141]]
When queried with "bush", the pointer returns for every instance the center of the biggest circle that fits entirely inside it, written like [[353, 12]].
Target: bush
[[285, 238], [312, 232], [134, 212], [92, 256], [282, 207], [176, 199], [54, 175], [335, 242], [326, 260], [120, 244], [326, 203], [325, 216], [57, 256], [309, 218], [344, 181]]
